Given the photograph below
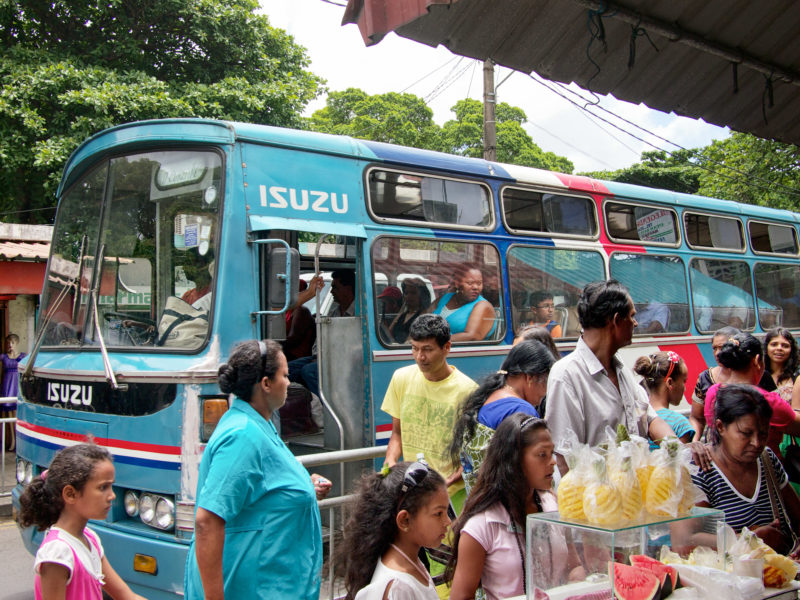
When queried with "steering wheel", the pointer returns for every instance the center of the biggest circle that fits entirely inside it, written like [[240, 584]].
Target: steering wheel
[[139, 330]]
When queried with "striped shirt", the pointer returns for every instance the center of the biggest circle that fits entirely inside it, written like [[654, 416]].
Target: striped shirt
[[741, 511]]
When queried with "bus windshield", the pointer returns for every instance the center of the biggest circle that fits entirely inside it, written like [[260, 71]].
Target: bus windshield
[[136, 237]]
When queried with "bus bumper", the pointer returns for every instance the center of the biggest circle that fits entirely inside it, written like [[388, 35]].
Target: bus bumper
[[120, 548]]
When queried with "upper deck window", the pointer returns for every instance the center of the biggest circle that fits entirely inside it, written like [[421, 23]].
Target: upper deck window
[[530, 211], [769, 238], [642, 223], [421, 199], [709, 231]]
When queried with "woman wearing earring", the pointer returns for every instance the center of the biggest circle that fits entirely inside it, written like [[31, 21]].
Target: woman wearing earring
[[257, 526], [470, 315]]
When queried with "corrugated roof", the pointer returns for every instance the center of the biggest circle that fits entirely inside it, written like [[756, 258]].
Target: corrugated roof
[[688, 68], [27, 251]]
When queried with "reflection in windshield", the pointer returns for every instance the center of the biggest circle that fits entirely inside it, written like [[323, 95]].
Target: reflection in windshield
[[155, 216]]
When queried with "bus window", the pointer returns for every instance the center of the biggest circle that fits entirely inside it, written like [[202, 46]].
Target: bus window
[[721, 294], [709, 231], [538, 276], [642, 223], [658, 287], [424, 199], [778, 292], [768, 238], [66, 291], [529, 211], [156, 240], [460, 280]]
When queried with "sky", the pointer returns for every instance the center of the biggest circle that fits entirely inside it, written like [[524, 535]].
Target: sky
[[396, 64]]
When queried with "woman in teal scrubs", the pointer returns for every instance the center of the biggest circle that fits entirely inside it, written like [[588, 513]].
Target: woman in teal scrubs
[[257, 525]]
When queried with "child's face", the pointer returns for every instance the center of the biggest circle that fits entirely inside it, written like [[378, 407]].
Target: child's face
[[545, 310], [538, 462], [429, 525], [94, 500]]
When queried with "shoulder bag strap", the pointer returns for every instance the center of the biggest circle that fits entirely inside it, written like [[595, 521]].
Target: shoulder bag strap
[[775, 496]]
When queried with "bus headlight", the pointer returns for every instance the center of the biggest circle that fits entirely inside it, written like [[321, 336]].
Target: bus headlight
[[21, 470], [131, 502], [165, 514], [147, 508]]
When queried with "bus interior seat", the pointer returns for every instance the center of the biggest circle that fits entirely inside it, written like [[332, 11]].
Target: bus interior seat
[[572, 327]]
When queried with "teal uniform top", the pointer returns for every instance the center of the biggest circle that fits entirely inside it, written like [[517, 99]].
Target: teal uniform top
[[273, 536]]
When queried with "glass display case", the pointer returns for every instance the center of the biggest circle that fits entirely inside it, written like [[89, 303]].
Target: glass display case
[[575, 560]]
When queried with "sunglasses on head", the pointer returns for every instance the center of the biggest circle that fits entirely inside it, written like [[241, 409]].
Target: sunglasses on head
[[415, 474]]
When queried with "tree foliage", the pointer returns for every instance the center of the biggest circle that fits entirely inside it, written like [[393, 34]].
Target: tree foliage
[[70, 69], [405, 119], [678, 171], [464, 136], [749, 169], [394, 118]]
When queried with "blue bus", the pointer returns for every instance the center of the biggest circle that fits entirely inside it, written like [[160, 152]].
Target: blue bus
[[175, 239]]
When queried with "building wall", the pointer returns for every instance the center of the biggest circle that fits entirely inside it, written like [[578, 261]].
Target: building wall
[[21, 317]]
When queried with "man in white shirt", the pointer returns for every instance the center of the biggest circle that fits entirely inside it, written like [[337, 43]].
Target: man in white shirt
[[590, 388]]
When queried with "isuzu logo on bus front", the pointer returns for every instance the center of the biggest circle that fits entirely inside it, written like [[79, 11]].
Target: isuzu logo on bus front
[[69, 393], [317, 201]]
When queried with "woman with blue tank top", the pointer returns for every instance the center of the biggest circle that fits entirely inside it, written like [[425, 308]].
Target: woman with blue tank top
[[470, 316]]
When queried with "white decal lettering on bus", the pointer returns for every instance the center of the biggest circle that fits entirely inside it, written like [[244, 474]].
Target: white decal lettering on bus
[[67, 393], [277, 199]]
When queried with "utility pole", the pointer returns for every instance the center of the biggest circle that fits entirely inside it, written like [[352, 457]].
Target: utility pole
[[489, 125]]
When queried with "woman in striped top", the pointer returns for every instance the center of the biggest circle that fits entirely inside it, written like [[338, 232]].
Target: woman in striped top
[[737, 483]]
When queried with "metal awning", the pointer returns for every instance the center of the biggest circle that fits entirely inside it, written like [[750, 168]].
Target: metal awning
[[733, 63]]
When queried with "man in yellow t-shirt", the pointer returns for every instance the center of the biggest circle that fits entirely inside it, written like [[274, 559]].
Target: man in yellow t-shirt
[[423, 399]]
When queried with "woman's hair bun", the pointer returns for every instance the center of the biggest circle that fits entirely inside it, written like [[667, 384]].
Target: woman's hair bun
[[226, 377]]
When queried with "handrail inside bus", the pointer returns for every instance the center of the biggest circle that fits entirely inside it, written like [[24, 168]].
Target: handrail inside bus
[[318, 321], [285, 277]]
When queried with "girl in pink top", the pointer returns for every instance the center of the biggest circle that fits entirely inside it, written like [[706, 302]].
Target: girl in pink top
[[516, 479], [70, 563]]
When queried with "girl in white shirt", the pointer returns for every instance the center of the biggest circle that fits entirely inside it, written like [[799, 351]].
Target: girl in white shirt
[[396, 513]]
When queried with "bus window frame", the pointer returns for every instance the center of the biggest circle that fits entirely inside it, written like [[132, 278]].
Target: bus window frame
[[635, 203], [603, 261], [547, 234], [428, 224], [752, 291], [742, 250], [777, 224], [499, 337], [753, 267], [686, 287], [107, 158]]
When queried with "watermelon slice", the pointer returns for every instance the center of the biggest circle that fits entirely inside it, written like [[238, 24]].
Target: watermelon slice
[[633, 583], [667, 575]]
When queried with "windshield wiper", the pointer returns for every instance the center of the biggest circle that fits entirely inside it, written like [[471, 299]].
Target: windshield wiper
[[98, 276]]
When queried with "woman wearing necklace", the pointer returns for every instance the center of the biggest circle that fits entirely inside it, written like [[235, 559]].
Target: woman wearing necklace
[[470, 315], [489, 537], [518, 386]]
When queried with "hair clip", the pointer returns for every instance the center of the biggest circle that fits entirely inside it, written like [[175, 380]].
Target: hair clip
[[43, 474], [673, 357], [384, 470], [502, 372], [733, 341]]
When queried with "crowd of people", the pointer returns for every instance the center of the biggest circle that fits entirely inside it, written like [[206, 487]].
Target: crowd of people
[[257, 526]]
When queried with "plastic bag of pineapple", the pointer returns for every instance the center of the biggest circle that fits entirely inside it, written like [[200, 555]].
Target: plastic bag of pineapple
[[664, 491], [572, 485], [602, 502], [779, 570]]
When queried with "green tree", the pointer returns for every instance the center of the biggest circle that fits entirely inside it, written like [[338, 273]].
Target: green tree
[[677, 171], [464, 136], [749, 169], [394, 118], [70, 69]]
